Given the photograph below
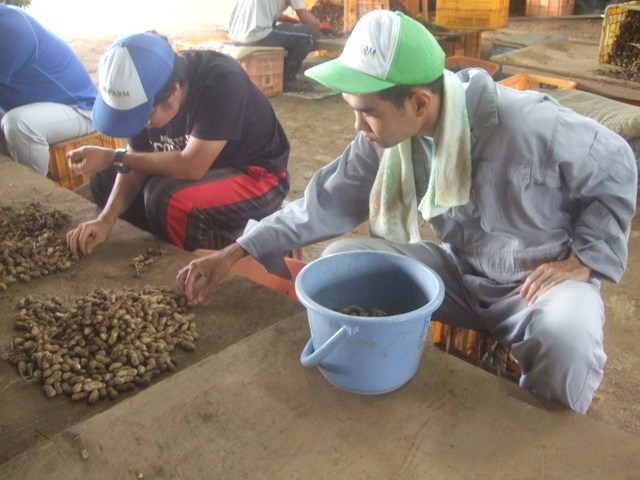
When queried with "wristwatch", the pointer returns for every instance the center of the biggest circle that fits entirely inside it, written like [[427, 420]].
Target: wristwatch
[[118, 161]]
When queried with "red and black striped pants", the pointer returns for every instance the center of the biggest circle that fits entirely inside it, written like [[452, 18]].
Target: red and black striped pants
[[195, 214]]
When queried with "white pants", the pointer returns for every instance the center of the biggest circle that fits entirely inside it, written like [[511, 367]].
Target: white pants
[[558, 341], [30, 129]]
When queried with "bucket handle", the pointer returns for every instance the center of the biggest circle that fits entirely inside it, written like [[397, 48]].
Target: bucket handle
[[309, 358]]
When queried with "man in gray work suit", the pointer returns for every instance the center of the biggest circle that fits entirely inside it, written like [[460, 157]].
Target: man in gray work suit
[[532, 202]]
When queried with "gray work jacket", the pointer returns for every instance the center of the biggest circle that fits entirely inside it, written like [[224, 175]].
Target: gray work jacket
[[545, 180]]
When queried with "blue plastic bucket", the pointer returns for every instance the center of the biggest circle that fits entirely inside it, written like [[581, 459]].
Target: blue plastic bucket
[[363, 354]]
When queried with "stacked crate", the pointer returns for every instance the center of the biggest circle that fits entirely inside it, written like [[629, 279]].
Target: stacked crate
[[614, 17], [472, 14], [549, 8], [460, 43]]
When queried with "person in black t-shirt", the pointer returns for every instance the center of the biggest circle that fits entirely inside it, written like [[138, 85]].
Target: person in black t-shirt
[[205, 153]]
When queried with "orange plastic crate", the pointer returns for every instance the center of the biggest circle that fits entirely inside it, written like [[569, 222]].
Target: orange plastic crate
[[59, 170], [455, 63], [476, 347], [549, 8], [251, 269], [266, 70], [466, 44], [472, 14], [265, 67], [525, 81]]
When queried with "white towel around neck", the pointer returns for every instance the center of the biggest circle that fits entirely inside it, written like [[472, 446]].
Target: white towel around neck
[[393, 205]]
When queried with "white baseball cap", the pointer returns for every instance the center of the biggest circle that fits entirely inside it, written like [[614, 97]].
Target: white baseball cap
[[385, 49], [131, 72]]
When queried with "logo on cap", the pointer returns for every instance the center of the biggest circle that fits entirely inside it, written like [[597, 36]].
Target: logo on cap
[[116, 93], [368, 51]]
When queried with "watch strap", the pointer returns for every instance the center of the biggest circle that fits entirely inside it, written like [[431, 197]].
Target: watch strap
[[118, 161]]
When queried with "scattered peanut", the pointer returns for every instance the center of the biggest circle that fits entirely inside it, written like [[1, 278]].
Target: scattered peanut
[[141, 262]]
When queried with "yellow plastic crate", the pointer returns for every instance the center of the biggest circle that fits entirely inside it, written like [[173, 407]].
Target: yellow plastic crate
[[472, 14], [59, 170], [354, 10], [614, 17], [549, 8], [525, 81]]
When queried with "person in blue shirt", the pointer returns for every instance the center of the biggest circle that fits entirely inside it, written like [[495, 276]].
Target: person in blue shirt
[[46, 92]]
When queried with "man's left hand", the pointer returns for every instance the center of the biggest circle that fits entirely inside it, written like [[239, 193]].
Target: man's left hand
[[550, 274]]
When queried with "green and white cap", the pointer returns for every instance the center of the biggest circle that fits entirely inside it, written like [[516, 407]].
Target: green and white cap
[[385, 49]]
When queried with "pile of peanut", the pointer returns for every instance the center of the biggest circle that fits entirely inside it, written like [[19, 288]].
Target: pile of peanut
[[108, 342], [31, 245]]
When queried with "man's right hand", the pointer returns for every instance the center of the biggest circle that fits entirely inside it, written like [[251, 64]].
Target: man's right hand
[[89, 160], [199, 278], [83, 239]]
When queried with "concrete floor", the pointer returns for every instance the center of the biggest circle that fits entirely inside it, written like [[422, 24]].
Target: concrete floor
[[244, 407]]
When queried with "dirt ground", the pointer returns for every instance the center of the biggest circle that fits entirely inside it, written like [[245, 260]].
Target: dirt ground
[[320, 129]]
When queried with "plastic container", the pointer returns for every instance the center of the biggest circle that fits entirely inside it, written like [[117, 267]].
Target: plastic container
[[460, 43], [456, 63], [549, 8], [472, 14], [614, 16], [477, 348], [363, 354], [59, 170], [525, 81], [250, 268], [265, 66], [266, 70]]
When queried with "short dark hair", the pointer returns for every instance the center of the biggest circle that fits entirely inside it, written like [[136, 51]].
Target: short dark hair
[[179, 75], [398, 93]]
